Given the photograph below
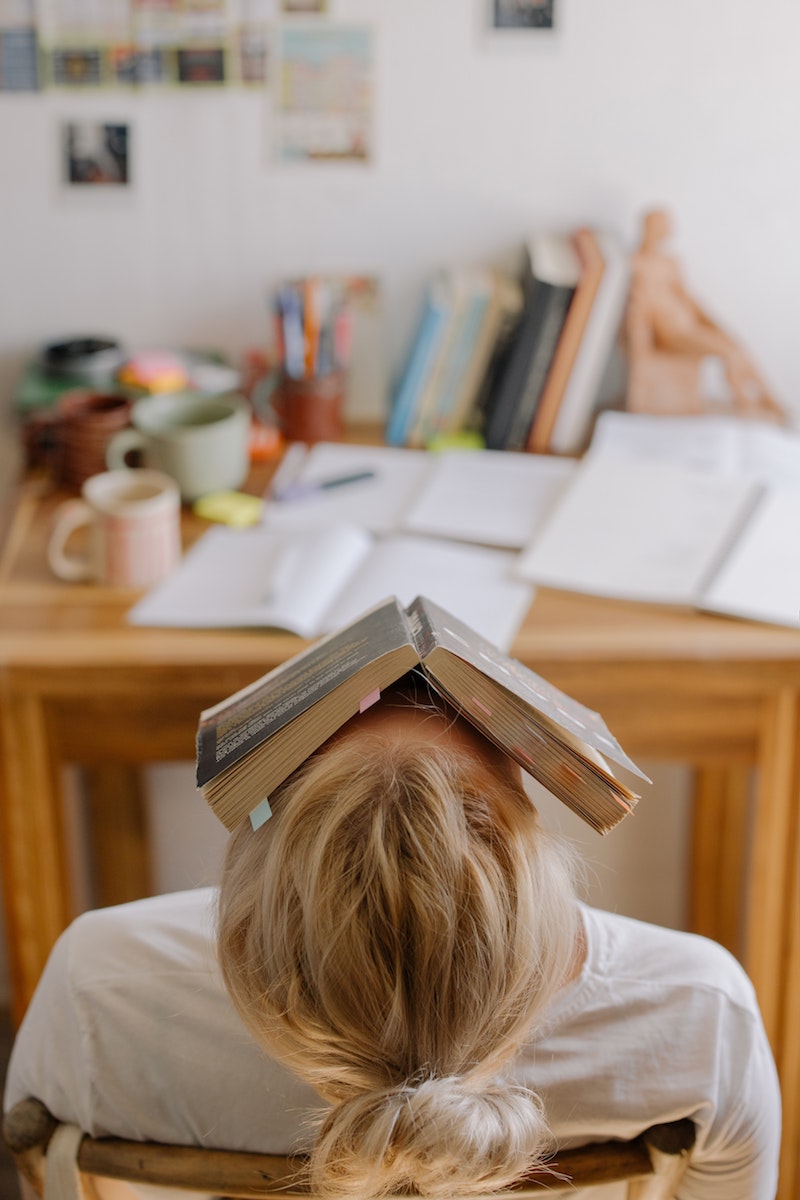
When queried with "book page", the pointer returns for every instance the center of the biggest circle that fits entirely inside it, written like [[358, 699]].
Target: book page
[[488, 496], [711, 443], [377, 504], [639, 530], [257, 577], [722, 445], [760, 578], [579, 725], [474, 582]]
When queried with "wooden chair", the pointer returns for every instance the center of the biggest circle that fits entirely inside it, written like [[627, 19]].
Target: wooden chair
[[650, 1164]]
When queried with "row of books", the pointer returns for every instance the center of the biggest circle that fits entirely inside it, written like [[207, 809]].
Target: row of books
[[518, 361]]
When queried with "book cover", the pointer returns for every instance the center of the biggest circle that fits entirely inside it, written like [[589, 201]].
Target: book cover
[[592, 266], [249, 744]]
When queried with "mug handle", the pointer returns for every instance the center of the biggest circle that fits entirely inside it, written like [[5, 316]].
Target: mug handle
[[121, 445], [71, 516]]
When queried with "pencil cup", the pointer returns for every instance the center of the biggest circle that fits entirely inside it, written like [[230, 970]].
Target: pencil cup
[[133, 523], [305, 410]]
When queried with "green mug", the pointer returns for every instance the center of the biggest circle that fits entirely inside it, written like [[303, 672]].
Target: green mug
[[202, 441]]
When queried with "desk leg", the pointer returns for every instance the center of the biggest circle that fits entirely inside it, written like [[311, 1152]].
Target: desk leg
[[720, 824], [118, 836], [31, 843], [772, 930]]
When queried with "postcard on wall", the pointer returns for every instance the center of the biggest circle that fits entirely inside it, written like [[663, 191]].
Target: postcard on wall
[[323, 105]]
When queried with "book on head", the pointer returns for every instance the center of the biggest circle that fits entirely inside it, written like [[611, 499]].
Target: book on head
[[249, 744]]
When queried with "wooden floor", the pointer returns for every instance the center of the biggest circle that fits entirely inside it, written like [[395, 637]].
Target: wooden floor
[[8, 1176]]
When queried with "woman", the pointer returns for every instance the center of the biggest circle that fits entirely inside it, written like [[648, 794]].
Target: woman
[[405, 938]]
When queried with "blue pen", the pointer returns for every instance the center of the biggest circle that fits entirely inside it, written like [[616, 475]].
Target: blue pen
[[298, 491]]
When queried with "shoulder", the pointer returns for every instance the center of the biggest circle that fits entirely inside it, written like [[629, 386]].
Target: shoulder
[[162, 931], [629, 953]]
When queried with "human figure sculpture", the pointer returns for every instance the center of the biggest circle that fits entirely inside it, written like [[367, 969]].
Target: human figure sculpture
[[674, 345]]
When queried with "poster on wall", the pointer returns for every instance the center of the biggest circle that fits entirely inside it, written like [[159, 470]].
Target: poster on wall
[[323, 106], [522, 14], [108, 43]]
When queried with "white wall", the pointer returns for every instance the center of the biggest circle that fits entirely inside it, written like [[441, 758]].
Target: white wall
[[694, 105], [690, 104]]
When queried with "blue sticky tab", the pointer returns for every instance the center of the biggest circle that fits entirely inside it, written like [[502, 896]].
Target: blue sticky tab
[[260, 814]]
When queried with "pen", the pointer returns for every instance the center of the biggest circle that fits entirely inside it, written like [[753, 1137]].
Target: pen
[[297, 491]]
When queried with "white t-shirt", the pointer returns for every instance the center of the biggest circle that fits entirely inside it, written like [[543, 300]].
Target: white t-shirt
[[131, 1033]]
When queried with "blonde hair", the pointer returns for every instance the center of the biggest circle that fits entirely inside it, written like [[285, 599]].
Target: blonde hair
[[392, 934]]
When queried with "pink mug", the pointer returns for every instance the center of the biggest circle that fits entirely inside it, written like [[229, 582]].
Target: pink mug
[[133, 518]]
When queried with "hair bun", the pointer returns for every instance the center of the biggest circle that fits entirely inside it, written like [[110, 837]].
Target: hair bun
[[437, 1136]]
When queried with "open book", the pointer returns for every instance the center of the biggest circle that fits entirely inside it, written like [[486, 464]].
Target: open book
[[251, 742], [491, 497], [697, 513], [312, 580]]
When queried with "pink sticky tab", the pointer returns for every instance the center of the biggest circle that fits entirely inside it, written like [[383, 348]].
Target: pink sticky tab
[[481, 707], [369, 700]]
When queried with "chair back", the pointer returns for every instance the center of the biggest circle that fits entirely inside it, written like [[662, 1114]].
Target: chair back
[[651, 1164]]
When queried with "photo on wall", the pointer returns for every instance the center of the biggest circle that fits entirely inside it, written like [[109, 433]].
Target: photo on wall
[[96, 153], [522, 14]]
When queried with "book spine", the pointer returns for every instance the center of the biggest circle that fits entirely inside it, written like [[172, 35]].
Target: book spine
[[505, 395], [558, 302], [441, 419], [593, 267], [580, 395], [417, 369]]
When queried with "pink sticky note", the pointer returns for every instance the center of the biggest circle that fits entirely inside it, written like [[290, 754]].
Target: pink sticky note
[[369, 700]]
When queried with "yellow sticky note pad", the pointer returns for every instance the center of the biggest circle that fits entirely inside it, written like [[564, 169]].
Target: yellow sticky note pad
[[230, 508]]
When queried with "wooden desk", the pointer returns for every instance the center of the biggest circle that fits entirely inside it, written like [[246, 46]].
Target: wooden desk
[[78, 686]]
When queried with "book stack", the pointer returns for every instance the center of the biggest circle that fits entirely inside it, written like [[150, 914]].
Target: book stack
[[518, 361]]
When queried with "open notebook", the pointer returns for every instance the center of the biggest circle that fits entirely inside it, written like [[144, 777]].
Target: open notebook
[[310, 581], [489, 497], [702, 514]]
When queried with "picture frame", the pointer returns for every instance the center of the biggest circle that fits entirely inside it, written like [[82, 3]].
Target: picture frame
[[515, 15], [96, 154]]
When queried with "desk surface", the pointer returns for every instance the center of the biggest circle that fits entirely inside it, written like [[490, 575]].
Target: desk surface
[[43, 617], [79, 685]]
